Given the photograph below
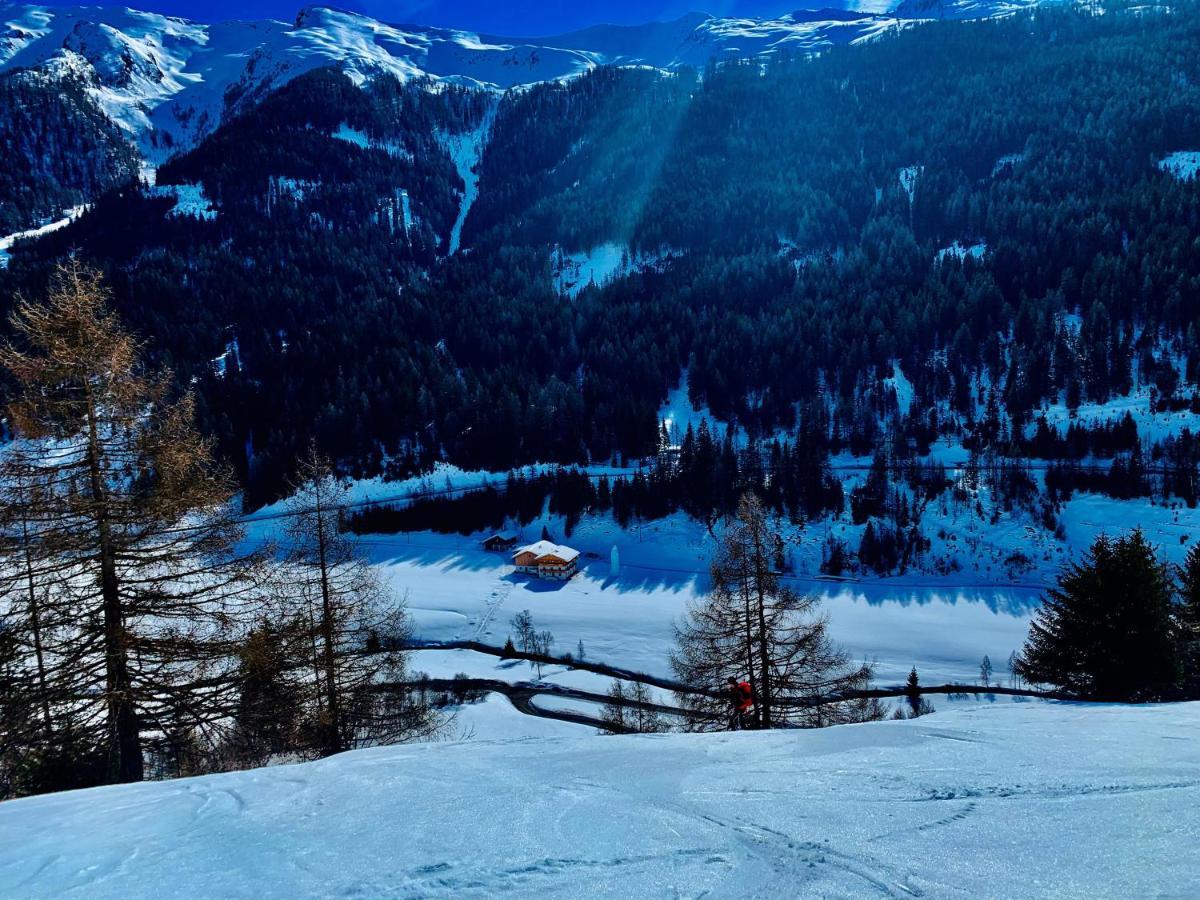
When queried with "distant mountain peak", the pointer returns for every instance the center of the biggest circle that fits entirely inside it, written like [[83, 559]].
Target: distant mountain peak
[[168, 81]]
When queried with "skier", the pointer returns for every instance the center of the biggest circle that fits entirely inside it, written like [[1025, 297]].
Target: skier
[[741, 699]]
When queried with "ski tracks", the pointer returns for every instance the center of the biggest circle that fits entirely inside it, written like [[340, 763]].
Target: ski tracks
[[490, 608]]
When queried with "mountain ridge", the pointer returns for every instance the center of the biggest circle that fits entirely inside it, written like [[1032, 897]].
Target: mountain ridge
[[169, 81]]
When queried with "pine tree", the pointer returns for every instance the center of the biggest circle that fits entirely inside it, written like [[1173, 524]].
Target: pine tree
[[912, 693], [119, 523], [752, 627], [1107, 631]]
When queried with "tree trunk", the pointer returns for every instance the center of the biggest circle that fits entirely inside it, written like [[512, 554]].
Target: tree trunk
[[333, 740], [754, 682], [764, 651], [125, 749]]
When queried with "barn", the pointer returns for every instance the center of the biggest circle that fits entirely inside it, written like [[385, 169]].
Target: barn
[[501, 541]]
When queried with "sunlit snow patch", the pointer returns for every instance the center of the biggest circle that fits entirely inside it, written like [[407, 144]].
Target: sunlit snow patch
[[352, 136], [961, 251], [466, 152], [190, 200], [362, 139], [602, 264], [1007, 163], [575, 271], [903, 387], [909, 176], [230, 358], [1184, 164]]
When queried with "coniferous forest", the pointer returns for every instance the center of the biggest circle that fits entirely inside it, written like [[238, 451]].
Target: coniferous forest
[[975, 205]]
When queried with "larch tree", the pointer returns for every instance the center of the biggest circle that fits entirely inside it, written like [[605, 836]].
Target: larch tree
[[753, 627], [352, 630], [117, 534], [32, 621]]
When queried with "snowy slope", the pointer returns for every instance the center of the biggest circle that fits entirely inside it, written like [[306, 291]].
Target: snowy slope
[[6, 242], [169, 81], [1021, 800]]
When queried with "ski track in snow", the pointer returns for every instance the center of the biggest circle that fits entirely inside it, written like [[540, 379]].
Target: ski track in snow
[[1025, 800]]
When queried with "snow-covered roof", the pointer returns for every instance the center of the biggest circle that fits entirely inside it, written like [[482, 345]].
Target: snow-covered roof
[[546, 548]]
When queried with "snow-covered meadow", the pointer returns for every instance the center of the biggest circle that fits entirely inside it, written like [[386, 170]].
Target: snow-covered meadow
[[456, 591], [1016, 800], [973, 594]]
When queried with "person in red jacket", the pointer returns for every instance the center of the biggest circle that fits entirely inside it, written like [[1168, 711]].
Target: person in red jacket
[[741, 699]]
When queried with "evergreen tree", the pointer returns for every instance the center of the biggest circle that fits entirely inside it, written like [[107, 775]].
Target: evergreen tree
[[1107, 631], [912, 693], [1189, 590], [1189, 620]]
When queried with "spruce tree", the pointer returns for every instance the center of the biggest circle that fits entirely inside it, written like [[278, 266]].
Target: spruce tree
[[912, 693], [1189, 593], [1189, 620], [1107, 631]]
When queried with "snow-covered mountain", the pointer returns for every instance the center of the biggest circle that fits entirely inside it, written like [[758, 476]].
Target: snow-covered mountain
[[1012, 800], [168, 81]]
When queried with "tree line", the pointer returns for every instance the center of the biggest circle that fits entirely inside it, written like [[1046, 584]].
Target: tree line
[[138, 638]]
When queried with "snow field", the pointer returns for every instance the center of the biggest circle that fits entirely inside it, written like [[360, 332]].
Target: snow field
[[190, 200], [466, 152], [1019, 800], [457, 592]]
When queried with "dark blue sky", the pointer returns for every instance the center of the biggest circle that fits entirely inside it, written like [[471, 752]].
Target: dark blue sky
[[505, 17]]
